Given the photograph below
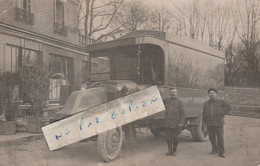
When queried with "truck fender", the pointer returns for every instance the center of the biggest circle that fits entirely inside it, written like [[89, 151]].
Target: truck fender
[[198, 130], [194, 120]]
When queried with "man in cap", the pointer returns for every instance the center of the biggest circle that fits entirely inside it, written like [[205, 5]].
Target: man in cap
[[214, 111], [174, 120]]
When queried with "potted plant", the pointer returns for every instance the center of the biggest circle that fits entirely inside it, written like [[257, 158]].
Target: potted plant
[[36, 91], [8, 102]]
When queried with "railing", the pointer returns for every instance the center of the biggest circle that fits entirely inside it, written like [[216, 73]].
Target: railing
[[156, 34], [24, 16], [85, 40], [60, 29]]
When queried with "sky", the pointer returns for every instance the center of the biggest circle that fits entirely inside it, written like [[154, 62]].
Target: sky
[[171, 3]]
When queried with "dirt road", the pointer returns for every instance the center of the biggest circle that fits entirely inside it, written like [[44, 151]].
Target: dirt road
[[242, 142]]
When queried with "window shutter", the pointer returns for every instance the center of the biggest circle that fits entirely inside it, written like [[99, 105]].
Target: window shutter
[[19, 4], [29, 6], [2, 57], [55, 17], [64, 12]]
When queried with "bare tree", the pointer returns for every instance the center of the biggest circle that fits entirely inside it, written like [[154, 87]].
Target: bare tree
[[213, 18], [181, 26], [246, 20], [231, 62], [211, 21], [223, 21], [132, 16], [203, 25], [161, 19], [195, 19], [190, 20], [96, 17]]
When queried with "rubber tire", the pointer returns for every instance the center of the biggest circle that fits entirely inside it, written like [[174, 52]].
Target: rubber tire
[[197, 133], [104, 141]]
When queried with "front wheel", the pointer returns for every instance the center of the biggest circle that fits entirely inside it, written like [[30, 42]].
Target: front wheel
[[199, 132], [109, 144]]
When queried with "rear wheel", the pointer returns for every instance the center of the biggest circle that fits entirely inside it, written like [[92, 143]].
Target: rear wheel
[[199, 132], [109, 144]]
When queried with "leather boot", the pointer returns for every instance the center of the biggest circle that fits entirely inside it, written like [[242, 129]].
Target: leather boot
[[174, 148], [169, 143]]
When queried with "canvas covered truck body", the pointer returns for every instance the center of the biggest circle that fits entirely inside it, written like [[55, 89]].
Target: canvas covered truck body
[[157, 58], [140, 60]]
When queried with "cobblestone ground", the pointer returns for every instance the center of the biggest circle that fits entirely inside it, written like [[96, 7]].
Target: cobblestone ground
[[242, 142]]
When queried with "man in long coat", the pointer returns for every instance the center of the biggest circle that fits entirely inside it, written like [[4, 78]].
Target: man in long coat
[[174, 120], [214, 111]]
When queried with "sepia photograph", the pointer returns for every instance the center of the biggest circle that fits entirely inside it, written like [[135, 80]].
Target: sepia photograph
[[129, 82]]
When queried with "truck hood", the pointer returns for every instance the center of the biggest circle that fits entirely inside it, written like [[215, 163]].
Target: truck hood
[[82, 100]]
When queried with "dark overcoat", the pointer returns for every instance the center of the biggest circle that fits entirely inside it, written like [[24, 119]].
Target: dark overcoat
[[175, 113], [214, 111]]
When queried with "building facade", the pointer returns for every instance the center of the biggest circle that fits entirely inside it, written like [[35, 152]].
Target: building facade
[[44, 30]]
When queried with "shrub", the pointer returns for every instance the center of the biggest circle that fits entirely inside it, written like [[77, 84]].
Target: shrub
[[36, 86], [9, 94]]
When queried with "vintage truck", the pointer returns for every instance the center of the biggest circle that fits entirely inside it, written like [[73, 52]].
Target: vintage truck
[[142, 59]]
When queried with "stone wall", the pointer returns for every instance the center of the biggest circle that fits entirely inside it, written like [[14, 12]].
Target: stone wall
[[244, 101], [241, 96], [233, 95]]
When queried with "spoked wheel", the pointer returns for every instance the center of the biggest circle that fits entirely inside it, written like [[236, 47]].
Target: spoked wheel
[[199, 132], [109, 144]]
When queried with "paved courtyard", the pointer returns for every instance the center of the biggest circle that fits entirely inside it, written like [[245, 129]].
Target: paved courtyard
[[242, 142]]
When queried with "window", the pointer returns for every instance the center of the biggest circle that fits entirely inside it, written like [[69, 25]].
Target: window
[[11, 56], [100, 68], [23, 11], [62, 65], [85, 71], [59, 24], [31, 56], [59, 12], [124, 67], [16, 58], [62, 69], [27, 5]]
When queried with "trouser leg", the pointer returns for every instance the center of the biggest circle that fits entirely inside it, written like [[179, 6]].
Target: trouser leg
[[212, 137], [220, 139], [175, 143], [169, 143]]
